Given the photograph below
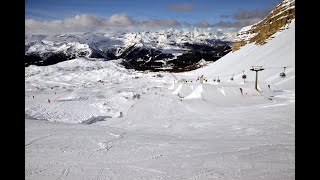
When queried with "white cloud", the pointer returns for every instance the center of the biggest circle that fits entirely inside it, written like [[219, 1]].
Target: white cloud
[[236, 24], [115, 23], [87, 22], [78, 23], [119, 20], [244, 18]]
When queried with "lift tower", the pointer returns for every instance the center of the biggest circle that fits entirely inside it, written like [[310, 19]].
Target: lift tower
[[256, 69]]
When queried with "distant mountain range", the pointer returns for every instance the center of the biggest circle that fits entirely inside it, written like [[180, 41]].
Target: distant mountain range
[[171, 50]]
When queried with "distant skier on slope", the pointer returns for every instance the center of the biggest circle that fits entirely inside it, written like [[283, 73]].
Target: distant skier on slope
[[269, 87], [241, 91], [48, 100]]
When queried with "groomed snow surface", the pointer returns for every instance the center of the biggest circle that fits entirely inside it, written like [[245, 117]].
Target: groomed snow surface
[[106, 122]]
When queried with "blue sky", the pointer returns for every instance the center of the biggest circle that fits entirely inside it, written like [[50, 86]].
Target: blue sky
[[204, 13]]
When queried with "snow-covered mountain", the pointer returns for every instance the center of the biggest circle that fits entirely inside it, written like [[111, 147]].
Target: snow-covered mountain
[[173, 49]]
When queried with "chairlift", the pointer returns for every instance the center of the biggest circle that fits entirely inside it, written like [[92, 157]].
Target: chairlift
[[232, 77], [283, 75], [244, 76]]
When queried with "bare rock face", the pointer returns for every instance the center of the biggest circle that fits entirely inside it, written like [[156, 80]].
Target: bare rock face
[[258, 33]]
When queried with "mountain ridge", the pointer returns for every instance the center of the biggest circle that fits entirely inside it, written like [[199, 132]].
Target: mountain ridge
[[179, 50]]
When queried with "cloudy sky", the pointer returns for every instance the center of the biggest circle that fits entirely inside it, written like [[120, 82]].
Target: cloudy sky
[[67, 16]]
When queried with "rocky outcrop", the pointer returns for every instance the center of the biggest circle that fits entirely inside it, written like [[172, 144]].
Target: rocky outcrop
[[259, 33]]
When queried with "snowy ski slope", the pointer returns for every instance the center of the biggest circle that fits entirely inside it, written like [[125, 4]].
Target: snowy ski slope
[[96, 127]]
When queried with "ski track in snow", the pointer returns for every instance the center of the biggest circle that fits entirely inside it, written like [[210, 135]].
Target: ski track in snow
[[36, 139]]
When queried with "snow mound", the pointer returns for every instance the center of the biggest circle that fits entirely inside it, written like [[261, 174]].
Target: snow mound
[[196, 93], [177, 90]]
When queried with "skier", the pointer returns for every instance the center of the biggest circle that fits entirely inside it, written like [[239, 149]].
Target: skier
[[241, 91], [49, 100], [269, 87], [33, 97]]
